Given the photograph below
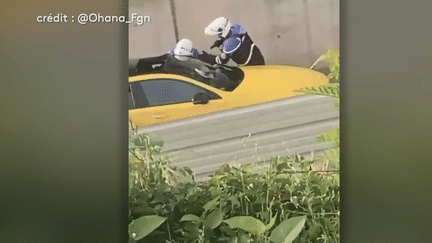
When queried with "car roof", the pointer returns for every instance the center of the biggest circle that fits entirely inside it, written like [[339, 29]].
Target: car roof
[[223, 80]]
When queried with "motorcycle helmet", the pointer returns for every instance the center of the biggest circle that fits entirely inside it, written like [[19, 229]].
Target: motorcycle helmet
[[184, 48], [219, 26]]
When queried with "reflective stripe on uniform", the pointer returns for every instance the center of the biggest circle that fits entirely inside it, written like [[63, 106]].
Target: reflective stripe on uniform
[[250, 54], [218, 60]]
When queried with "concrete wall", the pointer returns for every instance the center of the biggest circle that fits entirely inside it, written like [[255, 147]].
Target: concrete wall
[[292, 32], [154, 38]]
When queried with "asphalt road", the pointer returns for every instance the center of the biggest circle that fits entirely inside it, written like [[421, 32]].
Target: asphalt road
[[249, 134]]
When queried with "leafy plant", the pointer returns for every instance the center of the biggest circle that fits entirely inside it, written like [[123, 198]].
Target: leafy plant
[[288, 230], [143, 226], [283, 201], [332, 57], [331, 158], [247, 223], [155, 187], [286, 187], [331, 89]]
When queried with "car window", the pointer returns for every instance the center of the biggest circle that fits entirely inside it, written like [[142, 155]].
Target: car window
[[130, 98], [165, 91]]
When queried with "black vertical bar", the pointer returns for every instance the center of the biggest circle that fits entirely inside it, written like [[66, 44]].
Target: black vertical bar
[[173, 13]]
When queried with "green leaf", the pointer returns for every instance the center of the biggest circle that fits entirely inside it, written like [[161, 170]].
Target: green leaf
[[306, 164], [190, 217], [214, 219], [271, 223], [211, 205], [226, 229], [163, 187], [332, 154], [143, 226], [247, 223], [244, 238], [330, 89], [288, 230], [234, 201], [331, 135]]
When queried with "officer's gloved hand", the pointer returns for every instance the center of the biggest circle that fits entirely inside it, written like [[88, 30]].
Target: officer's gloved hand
[[207, 57], [217, 43]]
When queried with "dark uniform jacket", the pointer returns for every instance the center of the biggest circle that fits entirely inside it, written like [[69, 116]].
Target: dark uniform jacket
[[239, 47]]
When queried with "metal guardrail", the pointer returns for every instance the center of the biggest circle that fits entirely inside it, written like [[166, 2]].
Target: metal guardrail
[[248, 135]]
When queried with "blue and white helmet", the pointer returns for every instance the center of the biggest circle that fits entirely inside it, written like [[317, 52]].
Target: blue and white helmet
[[220, 26], [184, 48]]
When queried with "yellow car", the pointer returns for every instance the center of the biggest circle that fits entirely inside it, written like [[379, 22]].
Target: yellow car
[[157, 98]]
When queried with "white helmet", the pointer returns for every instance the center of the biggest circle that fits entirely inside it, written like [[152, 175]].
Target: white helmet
[[184, 48], [219, 26]]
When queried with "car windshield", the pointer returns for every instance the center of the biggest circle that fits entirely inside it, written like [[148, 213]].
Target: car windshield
[[234, 77], [221, 77]]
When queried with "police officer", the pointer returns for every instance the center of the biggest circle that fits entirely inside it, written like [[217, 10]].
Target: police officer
[[235, 44], [182, 44], [183, 60]]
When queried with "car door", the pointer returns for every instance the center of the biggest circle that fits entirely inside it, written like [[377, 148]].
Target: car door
[[161, 100]]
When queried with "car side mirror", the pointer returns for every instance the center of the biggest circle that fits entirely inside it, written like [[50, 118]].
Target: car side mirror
[[200, 98]]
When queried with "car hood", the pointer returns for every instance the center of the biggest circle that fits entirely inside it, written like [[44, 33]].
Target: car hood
[[268, 83]]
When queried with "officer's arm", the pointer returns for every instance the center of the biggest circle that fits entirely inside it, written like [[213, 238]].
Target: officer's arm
[[208, 58], [229, 46], [217, 43]]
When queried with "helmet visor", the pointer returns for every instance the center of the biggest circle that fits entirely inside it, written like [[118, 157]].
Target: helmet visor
[[210, 31]]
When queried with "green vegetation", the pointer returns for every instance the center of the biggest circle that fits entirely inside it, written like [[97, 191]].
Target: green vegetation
[[283, 201], [289, 199], [332, 57], [331, 89]]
